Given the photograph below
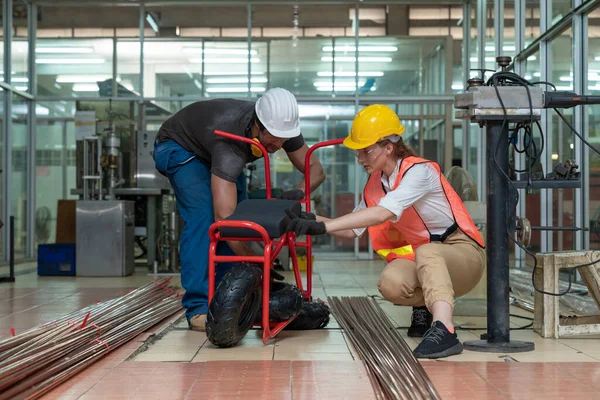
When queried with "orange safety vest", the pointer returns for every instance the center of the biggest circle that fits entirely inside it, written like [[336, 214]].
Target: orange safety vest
[[400, 239]]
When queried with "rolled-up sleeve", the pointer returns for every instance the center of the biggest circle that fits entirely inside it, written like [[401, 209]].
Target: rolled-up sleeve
[[415, 184], [360, 231]]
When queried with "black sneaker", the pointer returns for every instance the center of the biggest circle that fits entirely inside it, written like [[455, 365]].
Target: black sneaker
[[438, 342], [420, 322]]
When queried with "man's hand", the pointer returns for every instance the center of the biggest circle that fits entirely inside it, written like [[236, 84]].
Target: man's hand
[[317, 173], [294, 194]]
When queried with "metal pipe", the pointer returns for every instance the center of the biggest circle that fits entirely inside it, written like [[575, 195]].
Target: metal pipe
[[52, 354], [498, 321], [558, 228], [393, 370], [11, 257]]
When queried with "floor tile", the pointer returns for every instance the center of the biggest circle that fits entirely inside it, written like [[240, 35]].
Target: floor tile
[[318, 364]]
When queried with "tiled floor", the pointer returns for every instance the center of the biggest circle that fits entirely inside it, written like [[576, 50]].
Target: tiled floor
[[296, 365]]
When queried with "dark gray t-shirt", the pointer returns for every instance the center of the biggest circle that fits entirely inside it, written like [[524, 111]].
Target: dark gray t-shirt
[[193, 128]]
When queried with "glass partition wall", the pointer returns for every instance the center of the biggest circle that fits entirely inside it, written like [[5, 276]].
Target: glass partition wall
[[335, 57]]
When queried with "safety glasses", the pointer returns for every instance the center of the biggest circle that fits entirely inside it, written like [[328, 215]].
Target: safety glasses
[[368, 153]]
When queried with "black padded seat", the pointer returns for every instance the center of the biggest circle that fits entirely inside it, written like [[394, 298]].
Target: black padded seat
[[270, 214]]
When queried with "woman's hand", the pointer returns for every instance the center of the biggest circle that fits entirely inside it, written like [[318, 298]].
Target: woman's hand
[[307, 215], [305, 224], [302, 226]]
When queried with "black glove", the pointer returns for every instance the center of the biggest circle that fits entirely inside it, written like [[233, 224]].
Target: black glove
[[308, 216], [302, 226], [294, 194]]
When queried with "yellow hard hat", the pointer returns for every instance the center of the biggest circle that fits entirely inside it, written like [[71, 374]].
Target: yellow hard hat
[[372, 124]]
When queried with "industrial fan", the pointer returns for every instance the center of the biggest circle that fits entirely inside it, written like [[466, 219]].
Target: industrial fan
[[462, 183]]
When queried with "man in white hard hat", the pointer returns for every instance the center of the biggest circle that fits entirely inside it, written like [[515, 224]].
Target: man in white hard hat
[[206, 172]]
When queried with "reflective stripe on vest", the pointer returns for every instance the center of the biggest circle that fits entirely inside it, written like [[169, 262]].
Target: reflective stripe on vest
[[410, 228], [400, 251]]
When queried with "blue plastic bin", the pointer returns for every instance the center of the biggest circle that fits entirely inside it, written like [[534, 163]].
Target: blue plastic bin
[[56, 259]]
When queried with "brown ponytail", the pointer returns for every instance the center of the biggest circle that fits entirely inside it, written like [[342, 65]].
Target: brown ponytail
[[401, 150]]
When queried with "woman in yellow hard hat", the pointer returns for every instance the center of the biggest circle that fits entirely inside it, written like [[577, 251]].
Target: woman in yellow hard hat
[[416, 223]]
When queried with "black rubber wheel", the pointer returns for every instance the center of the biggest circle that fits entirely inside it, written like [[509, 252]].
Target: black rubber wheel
[[285, 301], [234, 306], [313, 315]]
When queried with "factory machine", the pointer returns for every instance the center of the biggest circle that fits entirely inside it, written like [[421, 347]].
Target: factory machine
[[126, 213], [508, 107]]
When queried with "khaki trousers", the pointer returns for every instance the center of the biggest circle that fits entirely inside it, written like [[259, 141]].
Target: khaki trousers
[[440, 272]]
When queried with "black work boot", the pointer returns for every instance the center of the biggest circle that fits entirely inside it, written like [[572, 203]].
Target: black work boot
[[420, 322], [438, 342]]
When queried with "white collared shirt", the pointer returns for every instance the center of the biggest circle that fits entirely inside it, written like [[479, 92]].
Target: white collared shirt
[[420, 187]]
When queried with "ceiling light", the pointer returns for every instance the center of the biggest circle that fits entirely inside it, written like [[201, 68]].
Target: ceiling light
[[224, 60], [340, 88], [361, 48], [85, 87], [63, 50], [531, 58], [235, 80], [537, 74], [240, 89], [21, 88], [70, 61], [241, 73], [360, 59], [19, 79], [566, 78], [222, 51], [490, 48], [81, 78], [509, 48], [350, 73], [338, 83], [152, 22], [458, 86]]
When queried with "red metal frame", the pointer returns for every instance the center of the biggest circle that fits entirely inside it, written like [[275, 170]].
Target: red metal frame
[[270, 330]]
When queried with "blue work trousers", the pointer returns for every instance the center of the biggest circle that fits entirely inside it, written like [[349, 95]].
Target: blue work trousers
[[190, 179]]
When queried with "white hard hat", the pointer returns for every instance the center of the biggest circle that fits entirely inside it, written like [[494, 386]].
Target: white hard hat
[[277, 110]]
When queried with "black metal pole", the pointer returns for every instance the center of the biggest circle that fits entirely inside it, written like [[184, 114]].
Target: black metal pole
[[498, 275], [11, 259], [498, 319], [11, 252]]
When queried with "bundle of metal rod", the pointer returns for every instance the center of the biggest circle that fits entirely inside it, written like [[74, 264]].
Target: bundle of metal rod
[[393, 370], [33, 363]]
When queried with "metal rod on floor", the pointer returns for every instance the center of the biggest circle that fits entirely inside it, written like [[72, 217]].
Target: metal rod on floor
[[57, 350], [393, 370]]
